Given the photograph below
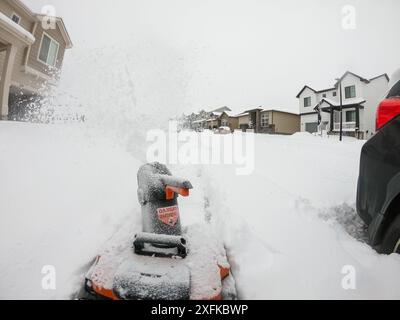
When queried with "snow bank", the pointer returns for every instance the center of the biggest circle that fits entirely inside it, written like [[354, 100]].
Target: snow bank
[[303, 256], [302, 135], [290, 228], [64, 194]]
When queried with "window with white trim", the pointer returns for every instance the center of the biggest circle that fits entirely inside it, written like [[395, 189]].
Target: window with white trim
[[350, 92], [16, 18], [264, 119], [307, 102], [48, 50]]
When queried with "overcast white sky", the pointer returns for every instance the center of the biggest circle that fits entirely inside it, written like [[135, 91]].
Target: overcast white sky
[[245, 53]]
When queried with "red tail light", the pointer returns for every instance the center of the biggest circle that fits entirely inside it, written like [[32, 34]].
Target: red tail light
[[387, 110]]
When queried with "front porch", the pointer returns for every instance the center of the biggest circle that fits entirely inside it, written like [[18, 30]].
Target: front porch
[[12, 38], [346, 126], [330, 114], [7, 57]]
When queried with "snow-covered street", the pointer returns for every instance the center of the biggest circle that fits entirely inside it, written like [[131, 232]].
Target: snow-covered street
[[290, 228]]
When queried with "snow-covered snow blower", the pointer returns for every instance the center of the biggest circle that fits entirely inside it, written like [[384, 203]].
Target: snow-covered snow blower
[[164, 261]]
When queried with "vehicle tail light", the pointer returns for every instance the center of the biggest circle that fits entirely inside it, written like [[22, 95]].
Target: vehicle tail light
[[387, 110]]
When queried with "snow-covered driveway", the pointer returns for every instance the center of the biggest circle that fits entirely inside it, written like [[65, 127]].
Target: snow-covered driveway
[[290, 227]]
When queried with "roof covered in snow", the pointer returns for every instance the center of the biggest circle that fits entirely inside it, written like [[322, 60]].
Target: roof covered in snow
[[39, 17], [242, 114], [63, 29], [304, 88], [221, 109], [282, 111], [347, 102], [200, 121], [16, 29], [340, 79], [216, 114]]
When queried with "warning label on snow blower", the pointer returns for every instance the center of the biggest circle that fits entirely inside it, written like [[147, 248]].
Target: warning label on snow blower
[[168, 215]]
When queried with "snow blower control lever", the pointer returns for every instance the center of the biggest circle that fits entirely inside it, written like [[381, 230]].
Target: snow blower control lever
[[158, 191]]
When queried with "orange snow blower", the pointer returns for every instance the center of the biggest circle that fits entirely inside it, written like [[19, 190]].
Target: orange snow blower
[[164, 261]]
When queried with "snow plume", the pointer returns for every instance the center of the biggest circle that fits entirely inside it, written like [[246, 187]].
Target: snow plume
[[120, 90]]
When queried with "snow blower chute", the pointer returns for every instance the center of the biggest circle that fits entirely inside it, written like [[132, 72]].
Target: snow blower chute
[[164, 261]]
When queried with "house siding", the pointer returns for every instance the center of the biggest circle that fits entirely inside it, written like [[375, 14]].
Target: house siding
[[233, 123], [285, 123], [33, 60], [243, 120], [27, 24], [377, 90], [19, 77], [7, 9], [372, 92], [314, 100]]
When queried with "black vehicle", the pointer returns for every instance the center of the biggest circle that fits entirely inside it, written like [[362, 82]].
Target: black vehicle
[[378, 192]]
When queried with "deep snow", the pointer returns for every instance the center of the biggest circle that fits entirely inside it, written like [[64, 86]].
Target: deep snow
[[289, 228]]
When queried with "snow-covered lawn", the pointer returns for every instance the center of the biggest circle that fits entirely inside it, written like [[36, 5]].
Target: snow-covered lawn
[[289, 228]]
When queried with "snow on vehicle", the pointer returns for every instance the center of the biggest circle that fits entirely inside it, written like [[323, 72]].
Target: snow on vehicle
[[165, 261], [223, 130]]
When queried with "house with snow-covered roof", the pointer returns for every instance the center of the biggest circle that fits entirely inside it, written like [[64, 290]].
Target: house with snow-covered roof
[[222, 119], [32, 48], [320, 109], [272, 121], [222, 109]]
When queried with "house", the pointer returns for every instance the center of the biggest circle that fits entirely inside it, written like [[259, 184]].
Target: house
[[32, 48], [259, 120], [269, 121], [320, 109], [222, 119]]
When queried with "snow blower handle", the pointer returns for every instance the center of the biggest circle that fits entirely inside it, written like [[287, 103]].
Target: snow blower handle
[[168, 246], [175, 185]]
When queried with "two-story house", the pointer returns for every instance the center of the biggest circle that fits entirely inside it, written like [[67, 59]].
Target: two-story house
[[320, 109], [32, 48]]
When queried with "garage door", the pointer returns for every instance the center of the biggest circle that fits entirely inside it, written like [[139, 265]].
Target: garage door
[[312, 127]]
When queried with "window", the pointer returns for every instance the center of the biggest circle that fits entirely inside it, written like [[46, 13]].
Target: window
[[307, 102], [16, 18], [48, 50], [350, 92], [350, 116], [334, 93], [324, 95], [264, 119]]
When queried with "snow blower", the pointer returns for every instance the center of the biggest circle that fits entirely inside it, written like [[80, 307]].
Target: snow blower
[[164, 261]]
